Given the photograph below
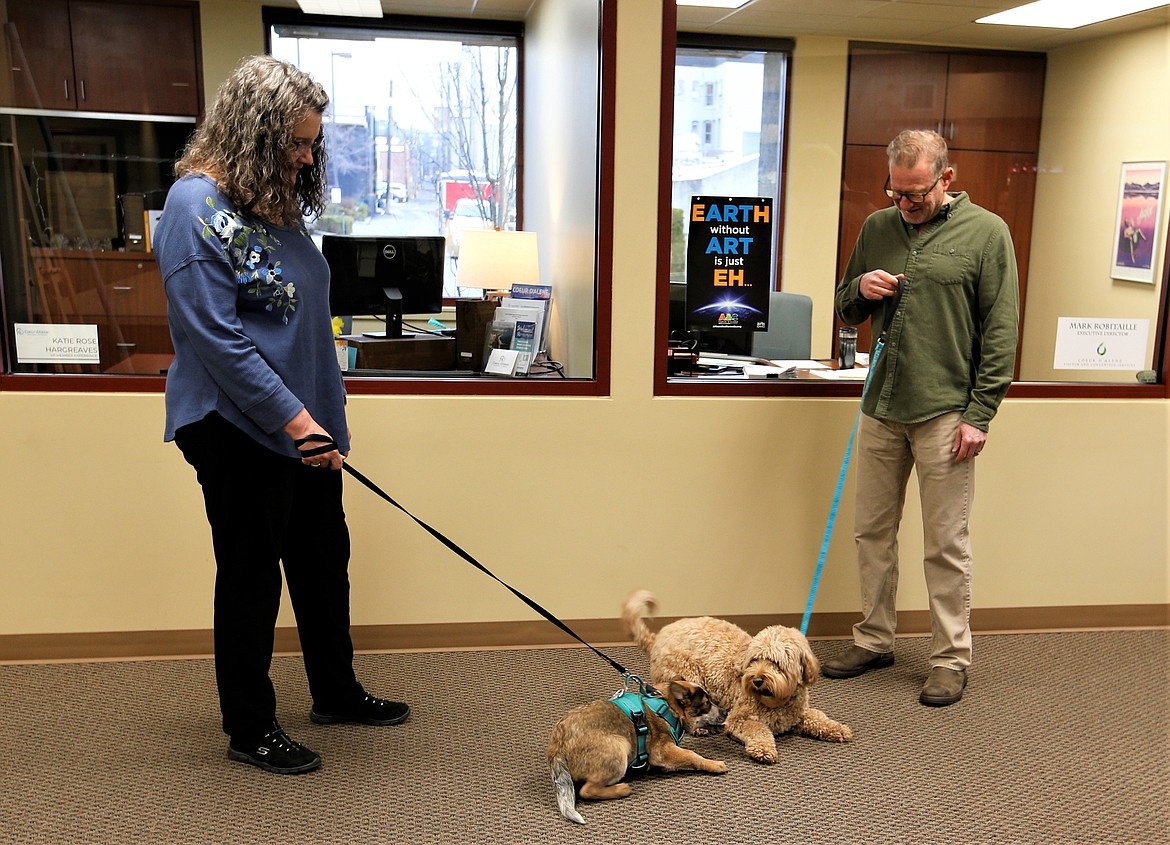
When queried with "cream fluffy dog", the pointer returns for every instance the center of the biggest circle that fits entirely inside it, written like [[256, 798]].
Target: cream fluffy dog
[[762, 680]]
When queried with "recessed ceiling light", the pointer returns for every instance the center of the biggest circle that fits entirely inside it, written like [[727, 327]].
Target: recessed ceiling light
[[349, 8], [1070, 14], [713, 4]]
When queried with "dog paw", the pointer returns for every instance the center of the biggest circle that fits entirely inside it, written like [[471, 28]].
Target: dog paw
[[835, 732], [700, 732], [763, 755], [719, 767]]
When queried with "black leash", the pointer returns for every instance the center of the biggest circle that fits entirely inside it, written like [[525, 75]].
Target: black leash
[[455, 548]]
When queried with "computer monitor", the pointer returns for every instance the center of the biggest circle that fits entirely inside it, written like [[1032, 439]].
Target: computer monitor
[[384, 275]]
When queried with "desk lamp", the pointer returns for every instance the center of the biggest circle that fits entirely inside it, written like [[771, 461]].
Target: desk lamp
[[494, 260]]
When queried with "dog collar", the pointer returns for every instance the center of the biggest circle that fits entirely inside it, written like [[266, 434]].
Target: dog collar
[[634, 705]]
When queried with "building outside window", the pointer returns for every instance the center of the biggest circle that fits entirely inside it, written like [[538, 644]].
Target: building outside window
[[728, 135]]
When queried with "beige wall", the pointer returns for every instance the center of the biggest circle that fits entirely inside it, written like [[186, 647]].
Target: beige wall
[[560, 186], [1099, 111], [230, 30], [816, 125], [716, 504]]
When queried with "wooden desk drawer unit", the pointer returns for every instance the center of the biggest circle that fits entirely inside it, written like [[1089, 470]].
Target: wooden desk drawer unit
[[422, 352], [120, 292]]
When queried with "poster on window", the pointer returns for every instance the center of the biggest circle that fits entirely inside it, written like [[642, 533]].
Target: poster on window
[[1139, 211], [729, 263]]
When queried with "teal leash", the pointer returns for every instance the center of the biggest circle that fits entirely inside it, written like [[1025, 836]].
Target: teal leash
[[816, 582]]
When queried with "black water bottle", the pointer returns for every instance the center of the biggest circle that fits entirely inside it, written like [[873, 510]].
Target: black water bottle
[[846, 347]]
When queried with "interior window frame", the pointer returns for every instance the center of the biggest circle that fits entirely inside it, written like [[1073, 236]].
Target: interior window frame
[[664, 385], [597, 385]]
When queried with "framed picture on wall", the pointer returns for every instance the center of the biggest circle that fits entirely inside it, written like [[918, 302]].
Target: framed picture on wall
[[1139, 212]]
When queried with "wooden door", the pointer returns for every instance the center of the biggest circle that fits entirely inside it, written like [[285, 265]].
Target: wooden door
[[894, 90], [865, 171], [994, 102], [37, 70], [1004, 183], [136, 58]]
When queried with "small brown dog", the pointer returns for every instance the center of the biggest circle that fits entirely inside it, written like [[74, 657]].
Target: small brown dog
[[762, 680], [597, 743]]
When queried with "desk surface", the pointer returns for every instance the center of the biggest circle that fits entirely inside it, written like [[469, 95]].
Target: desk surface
[[413, 374], [731, 368]]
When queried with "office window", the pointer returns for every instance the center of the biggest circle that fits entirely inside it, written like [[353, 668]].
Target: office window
[[728, 136], [1088, 135], [421, 131], [428, 134], [81, 193]]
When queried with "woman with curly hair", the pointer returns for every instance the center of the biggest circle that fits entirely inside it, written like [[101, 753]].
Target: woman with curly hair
[[256, 403]]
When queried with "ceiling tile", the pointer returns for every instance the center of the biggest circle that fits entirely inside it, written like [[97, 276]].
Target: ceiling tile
[[943, 22]]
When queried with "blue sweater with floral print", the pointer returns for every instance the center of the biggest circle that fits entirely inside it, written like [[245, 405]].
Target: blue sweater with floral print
[[248, 308]]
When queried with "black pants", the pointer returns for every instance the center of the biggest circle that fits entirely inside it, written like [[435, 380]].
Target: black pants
[[265, 509]]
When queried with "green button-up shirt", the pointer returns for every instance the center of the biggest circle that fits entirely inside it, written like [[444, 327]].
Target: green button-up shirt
[[950, 341]]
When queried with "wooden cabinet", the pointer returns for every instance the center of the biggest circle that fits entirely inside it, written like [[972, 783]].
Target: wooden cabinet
[[994, 102], [892, 91], [120, 292], [36, 71], [128, 56], [987, 106], [977, 101]]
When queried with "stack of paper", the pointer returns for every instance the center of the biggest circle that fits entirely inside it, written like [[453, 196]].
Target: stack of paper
[[528, 318], [538, 295], [854, 374]]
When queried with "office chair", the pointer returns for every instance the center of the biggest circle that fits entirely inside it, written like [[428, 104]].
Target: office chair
[[789, 334]]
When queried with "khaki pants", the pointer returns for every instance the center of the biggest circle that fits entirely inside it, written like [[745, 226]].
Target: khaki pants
[[886, 452]]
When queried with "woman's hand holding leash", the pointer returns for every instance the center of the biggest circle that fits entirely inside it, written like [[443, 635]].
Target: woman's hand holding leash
[[305, 432]]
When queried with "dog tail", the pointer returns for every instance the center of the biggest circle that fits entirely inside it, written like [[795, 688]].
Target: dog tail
[[566, 792], [640, 605]]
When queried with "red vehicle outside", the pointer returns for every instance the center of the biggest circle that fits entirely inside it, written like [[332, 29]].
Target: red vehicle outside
[[457, 185]]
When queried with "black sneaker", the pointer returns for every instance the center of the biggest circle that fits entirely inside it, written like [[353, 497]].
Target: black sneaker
[[370, 710], [274, 752]]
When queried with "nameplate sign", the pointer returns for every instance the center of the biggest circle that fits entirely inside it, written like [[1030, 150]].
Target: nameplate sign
[[1101, 343], [502, 362], [51, 343]]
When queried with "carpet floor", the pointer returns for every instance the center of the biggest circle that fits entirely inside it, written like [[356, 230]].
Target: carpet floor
[[1060, 738]]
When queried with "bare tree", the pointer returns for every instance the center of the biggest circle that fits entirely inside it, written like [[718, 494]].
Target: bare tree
[[481, 134], [349, 149]]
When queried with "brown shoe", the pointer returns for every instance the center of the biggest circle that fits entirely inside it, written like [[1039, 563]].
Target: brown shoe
[[856, 661], [943, 686]]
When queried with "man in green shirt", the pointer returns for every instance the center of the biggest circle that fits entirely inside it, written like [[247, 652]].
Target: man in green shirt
[[937, 276]]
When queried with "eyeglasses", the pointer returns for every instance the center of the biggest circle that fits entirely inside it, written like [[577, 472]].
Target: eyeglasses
[[913, 196], [300, 146]]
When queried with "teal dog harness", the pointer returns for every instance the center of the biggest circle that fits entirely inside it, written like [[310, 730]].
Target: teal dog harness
[[635, 704]]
